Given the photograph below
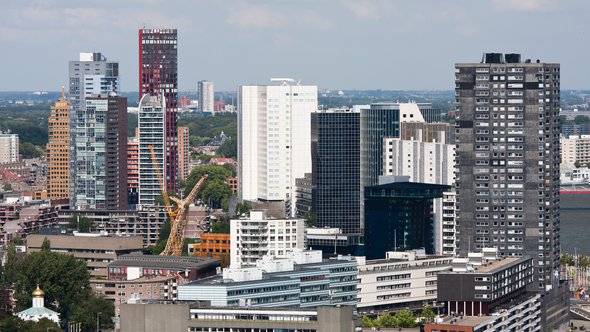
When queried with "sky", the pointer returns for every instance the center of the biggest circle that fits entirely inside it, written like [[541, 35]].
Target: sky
[[335, 44]]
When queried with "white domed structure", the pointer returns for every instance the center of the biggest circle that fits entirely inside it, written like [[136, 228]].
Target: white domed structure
[[38, 310]]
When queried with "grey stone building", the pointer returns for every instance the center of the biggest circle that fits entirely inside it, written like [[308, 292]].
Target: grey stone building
[[508, 160]]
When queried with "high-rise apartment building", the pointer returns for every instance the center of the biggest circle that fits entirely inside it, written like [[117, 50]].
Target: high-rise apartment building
[[446, 242], [132, 170], [183, 152], [507, 121], [58, 150], [151, 126], [575, 148], [91, 75], [8, 148], [274, 135], [206, 96], [158, 75], [101, 153], [255, 236], [337, 170]]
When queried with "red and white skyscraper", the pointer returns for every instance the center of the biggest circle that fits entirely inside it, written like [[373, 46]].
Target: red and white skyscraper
[[158, 75]]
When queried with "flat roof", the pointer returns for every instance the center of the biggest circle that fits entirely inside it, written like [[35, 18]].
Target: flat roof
[[144, 279], [466, 320], [499, 264], [219, 281], [401, 260], [411, 185], [34, 241], [173, 262]]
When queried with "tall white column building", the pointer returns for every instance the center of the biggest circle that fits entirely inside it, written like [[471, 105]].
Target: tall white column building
[[274, 139], [425, 162], [206, 96], [151, 129]]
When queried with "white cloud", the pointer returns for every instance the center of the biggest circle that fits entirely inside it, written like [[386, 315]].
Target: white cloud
[[523, 5], [369, 10], [255, 17]]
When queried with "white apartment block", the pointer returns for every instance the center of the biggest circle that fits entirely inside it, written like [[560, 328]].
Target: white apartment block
[[448, 223], [575, 148], [255, 236], [274, 139], [8, 148], [401, 279], [151, 126], [424, 162]]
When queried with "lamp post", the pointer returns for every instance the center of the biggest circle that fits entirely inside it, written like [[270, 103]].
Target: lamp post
[[98, 321]]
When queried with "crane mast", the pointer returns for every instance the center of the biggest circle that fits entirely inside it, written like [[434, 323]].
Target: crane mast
[[178, 217]]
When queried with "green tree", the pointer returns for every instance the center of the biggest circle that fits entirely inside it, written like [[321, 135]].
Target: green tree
[[15, 324], [5, 303], [566, 259], [229, 148], [577, 164], [579, 119], [9, 269], [243, 208], [310, 218], [367, 322], [204, 159], [28, 150], [81, 224], [427, 314], [387, 321], [198, 140], [405, 318], [162, 238], [7, 186], [231, 168], [220, 226], [215, 188], [64, 278], [46, 245], [217, 193], [86, 312]]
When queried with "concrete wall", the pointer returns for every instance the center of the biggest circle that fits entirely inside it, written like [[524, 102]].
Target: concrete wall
[[336, 319], [154, 317]]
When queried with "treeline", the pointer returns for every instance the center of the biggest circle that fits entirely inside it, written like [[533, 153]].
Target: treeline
[[401, 319], [66, 282]]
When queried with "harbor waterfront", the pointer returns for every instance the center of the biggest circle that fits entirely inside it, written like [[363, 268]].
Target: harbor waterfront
[[575, 222]]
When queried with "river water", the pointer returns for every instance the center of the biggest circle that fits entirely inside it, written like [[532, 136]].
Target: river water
[[575, 223]]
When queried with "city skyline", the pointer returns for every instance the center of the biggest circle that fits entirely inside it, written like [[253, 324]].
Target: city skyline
[[334, 44]]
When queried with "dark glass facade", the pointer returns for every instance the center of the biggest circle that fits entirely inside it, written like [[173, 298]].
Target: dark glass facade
[[337, 167], [158, 74], [377, 122], [400, 216]]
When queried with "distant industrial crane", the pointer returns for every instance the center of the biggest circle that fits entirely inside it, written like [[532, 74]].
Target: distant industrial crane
[[178, 217]]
